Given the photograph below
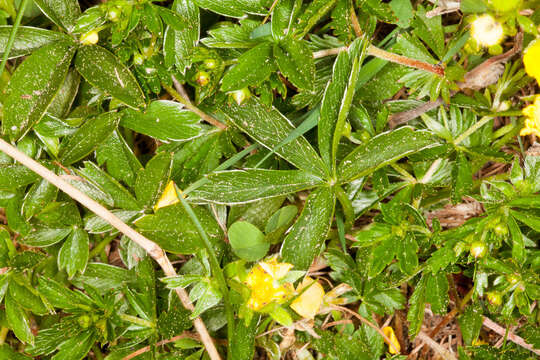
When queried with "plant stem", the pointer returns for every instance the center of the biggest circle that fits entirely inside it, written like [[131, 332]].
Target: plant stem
[[137, 320], [100, 246], [11, 39], [149, 246], [209, 119], [217, 271], [3, 333], [483, 121]]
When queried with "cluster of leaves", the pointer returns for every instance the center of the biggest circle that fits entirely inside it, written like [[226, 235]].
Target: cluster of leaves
[[284, 149]]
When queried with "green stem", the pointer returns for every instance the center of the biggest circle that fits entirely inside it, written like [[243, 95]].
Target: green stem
[[97, 352], [100, 246], [217, 271], [137, 320], [233, 160], [483, 121], [11, 39], [404, 173], [347, 207]]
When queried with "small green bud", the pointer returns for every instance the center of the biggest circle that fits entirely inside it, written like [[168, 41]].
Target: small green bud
[[478, 249], [495, 49], [500, 230], [90, 38], [202, 78], [504, 5], [210, 63], [138, 59], [512, 279], [84, 321], [241, 95], [494, 298], [114, 14]]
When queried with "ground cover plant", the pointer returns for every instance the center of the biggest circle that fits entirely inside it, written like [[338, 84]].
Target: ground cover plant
[[269, 179]]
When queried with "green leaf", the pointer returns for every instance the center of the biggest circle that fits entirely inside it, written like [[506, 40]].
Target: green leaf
[[307, 235], [30, 92], [88, 137], [406, 254], [470, 323], [518, 244], [21, 290], [281, 316], [73, 254], [336, 104], [241, 186], [61, 297], [247, 241], [97, 225], [269, 128], [119, 159], [164, 120], [14, 176], [103, 277], [404, 12], [311, 16], [283, 17], [295, 61], [528, 219], [256, 213], [28, 40], [8, 354], [43, 237], [173, 322], [207, 296], [76, 347], [417, 304], [171, 229], [437, 294], [253, 67], [152, 180], [18, 321], [382, 255], [179, 44], [473, 6], [280, 221], [243, 341], [122, 198], [63, 13], [234, 8], [65, 97], [381, 150], [105, 71]]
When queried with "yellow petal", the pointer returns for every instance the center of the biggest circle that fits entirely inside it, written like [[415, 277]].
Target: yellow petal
[[276, 270], [309, 302], [168, 197], [394, 343], [531, 60]]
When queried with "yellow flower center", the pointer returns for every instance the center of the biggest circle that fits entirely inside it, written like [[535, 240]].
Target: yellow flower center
[[263, 281], [532, 121]]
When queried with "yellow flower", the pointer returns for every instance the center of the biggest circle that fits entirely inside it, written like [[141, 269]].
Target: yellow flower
[[393, 347], [487, 31], [168, 197], [531, 60], [532, 122], [309, 302], [263, 281]]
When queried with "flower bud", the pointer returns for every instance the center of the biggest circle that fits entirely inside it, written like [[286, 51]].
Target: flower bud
[[241, 95], [478, 249], [138, 59], [114, 14], [512, 279], [202, 78], [210, 63], [494, 298], [90, 38]]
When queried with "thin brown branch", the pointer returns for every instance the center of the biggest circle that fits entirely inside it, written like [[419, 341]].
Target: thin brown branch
[[368, 323], [209, 119], [493, 326], [161, 343], [445, 354], [149, 246]]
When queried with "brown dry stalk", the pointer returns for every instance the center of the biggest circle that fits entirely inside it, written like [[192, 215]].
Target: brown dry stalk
[[149, 246], [445, 354], [162, 342], [492, 325]]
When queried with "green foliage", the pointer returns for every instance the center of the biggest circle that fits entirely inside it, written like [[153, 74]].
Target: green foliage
[[261, 145]]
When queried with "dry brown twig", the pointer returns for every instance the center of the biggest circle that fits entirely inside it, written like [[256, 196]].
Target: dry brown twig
[[149, 246], [481, 76], [518, 340]]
